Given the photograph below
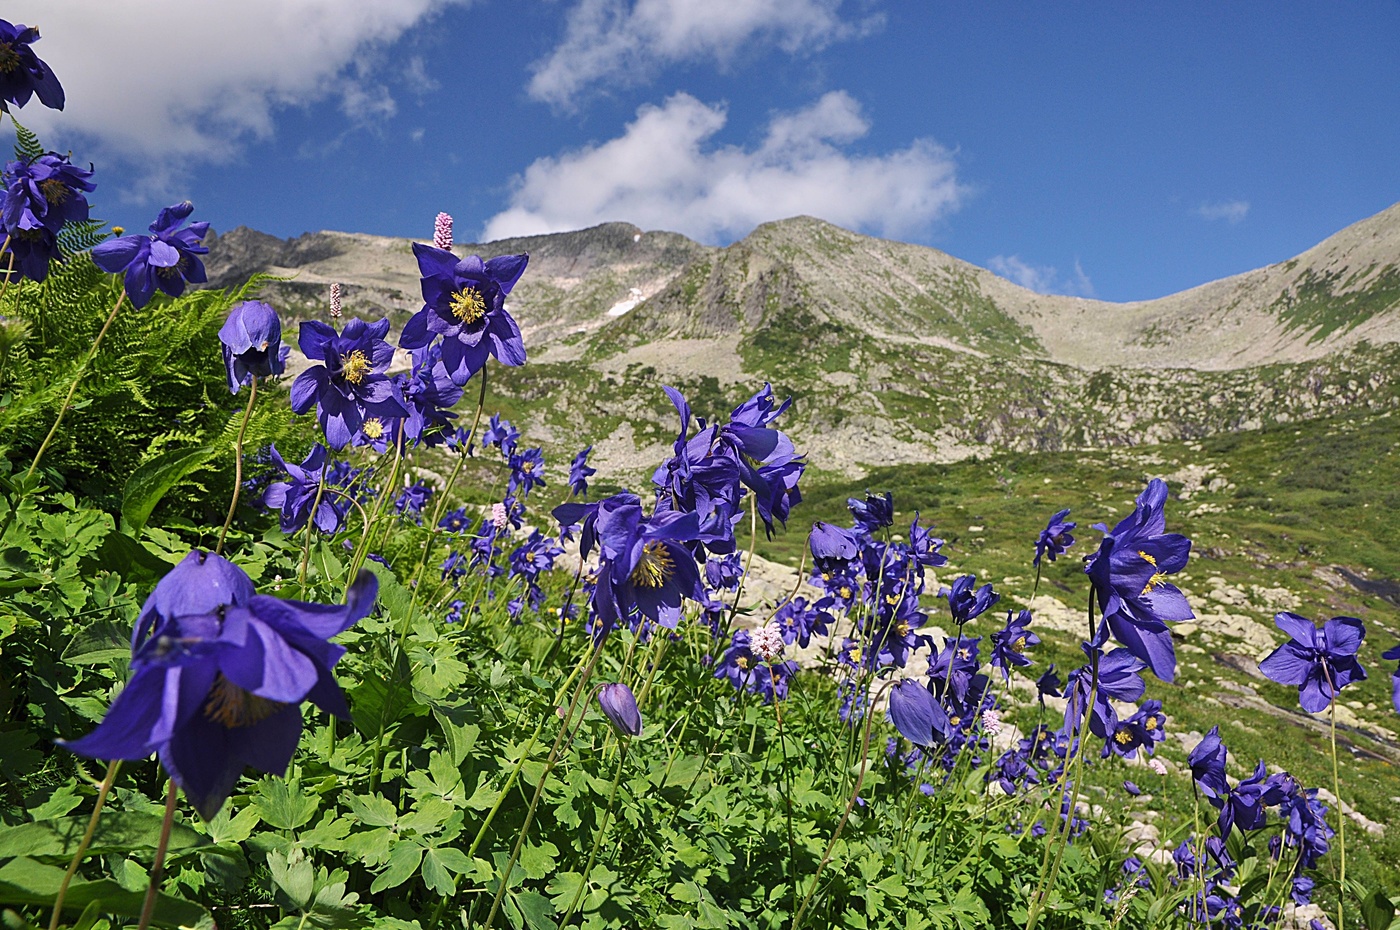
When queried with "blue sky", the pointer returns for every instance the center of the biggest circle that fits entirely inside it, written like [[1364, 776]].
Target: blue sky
[[1122, 151]]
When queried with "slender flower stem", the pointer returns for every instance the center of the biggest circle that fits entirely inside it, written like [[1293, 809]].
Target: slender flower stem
[[598, 835], [1341, 814], [148, 906], [238, 464], [787, 787], [835, 834], [310, 527], [73, 388], [564, 729], [102, 790]]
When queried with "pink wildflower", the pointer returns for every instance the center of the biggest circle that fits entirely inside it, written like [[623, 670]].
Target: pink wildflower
[[335, 301], [991, 722], [767, 643], [442, 232], [499, 518]]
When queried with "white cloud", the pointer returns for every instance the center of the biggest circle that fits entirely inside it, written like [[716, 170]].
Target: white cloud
[[163, 83], [661, 174], [1231, 211], [625, 41], [1043, 279]]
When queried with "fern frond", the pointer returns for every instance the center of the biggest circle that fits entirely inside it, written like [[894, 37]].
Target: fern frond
[[27, 144], [80, 237]]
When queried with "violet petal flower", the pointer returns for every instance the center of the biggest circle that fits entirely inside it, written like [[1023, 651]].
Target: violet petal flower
[[464, 302], [218, 689], [1320, 662], [1055, 538], [351, 385], [166, 259], [252, 343], [1207, 762], [916, 713], [22, 73]]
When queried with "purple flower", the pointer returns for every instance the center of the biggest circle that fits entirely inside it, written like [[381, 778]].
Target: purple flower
[[218, 677], [1055, 538], [1244, 806], [1208, 765], [916, 713], [36, 200], [579, 472], [456, 521], [464, 302], [620, 707], [22, 73], [501, 434], [965, 603], [351, 386], [526, 471], [1048, 685], [833, 548], [428, 392], [646, 570], [165, 259], [412, 499], [924, 546], [1010, 643], [252, 343], [295, 498], [1319, 662], [1129, 574], [873, 512], [1394, 678]]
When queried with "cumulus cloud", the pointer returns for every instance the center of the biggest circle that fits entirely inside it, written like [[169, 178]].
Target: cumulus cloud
[[625, 41], [1043, 279], [662, 173], [1231, 211], [162, 83]]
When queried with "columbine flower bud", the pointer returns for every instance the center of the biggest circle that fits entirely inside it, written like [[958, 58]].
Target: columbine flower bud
[[442, 232], [620, 707], [767, 643]]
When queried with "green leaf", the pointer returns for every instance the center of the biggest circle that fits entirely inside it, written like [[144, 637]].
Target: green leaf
[[149, 483], [538, 861], [436, 874], [293, 874], [1376, 910], [283, 805], [403, 863], [26, 882], [117, 832], [374, 810]]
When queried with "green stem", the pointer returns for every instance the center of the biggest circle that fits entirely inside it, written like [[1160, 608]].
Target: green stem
[[148, 907], [598, 835], [73, 388], [787, 788], [539, 787], [238, 464], [1341, 814], [102, 790]]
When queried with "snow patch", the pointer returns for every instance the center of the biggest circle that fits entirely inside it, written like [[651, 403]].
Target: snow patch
[[634, 297]]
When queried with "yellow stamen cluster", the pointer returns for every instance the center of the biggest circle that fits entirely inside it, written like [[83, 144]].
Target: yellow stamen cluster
[[741, 661], [468, 305], [232, 707], [373, 428], [1019, 646], [855, 655], [1157, 577], [845, 592], [54, 190], [9, 58], [356, 367], [1122, 737], [654, 568], [1150, 722]]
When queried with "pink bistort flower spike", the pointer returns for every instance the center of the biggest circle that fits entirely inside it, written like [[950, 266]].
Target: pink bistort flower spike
[[335, 301], [499, 517], [442, 232], [991, 722], [767, 643]]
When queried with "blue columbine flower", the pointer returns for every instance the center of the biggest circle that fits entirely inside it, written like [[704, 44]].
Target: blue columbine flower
[[501, 434], [1207, 762], [833, 548], [219, 676], [165, 259], [464, 302], [36, 200], [294, 499], [252, 343], [1048, 685], [526, 471], [22, 73], [351, 385], [924, 546], [916, 713], [1010, 643], [1129, 573], [579, 472], [1055, 538], [873, 512], [619, 705], [1394, 678], [1320, 662], [965, 603], [428, 392]]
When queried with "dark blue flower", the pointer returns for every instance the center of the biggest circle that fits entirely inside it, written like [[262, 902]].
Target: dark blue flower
[[924, 546], [1048, 685], [579, 472], [165, 259], [916, 713], [873, 512], [412, 499], [646, 571], [833, 548], [1010, 643], [965, 603], [1129, 573], [36, 200], [22, 73], [1207, 762], [723, 572], [252, 343], [526, 471], [619, 705], [1055, 538], [456, 521], [428, 392], [501, 434], [464, 303], [1394, 677], [218, 680], [1244, 807], [294, 499], [351, 385], [1320, 662]]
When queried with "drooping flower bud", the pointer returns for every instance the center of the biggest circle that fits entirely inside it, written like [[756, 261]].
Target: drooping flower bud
[[620, 707], [916, 713]]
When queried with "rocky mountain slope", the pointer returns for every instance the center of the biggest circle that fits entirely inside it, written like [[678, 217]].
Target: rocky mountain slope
[[895, 352]]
